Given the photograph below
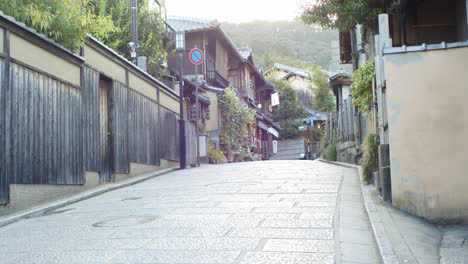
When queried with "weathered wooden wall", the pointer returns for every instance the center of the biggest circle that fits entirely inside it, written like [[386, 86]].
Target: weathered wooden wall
[[169, 130], [45, 129], [191, 140], [90, 93], [120, 128], [143, 129], [136, 128], [53, 129], [4, 180]]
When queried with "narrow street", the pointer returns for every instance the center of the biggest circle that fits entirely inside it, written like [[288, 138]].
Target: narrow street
[[258, 212]]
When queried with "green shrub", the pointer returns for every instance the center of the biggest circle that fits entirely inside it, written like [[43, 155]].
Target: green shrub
[[216, 155], [361, 88], [370, 159], [330, 152]]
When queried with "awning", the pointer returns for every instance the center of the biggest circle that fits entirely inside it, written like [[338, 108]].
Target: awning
[[204, 99], [273, 131], [213, 88], [262, 125]]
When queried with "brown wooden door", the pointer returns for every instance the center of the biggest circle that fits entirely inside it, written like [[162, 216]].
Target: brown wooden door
[[105, 86]]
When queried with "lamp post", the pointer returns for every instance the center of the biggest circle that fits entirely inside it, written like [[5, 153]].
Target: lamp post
[[180, 47], [309, 151]]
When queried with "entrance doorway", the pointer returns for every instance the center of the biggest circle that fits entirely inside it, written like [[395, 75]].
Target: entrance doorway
[[105, 121]]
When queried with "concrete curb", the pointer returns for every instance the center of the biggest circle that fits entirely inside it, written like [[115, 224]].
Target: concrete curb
[[384, 245], [40, 210]]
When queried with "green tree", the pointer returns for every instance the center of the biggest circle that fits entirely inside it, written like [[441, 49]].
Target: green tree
[[323, 100], [151, 30], [68, 22], [236, 119], [65, 21], [361, 89], [339, 14], [289, 111], [287, 42]]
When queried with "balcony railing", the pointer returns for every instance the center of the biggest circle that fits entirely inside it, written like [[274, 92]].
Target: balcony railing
[[170, 34], [215, 77]]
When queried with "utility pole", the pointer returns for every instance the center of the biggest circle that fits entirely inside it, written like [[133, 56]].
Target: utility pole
[[134, 43], [180, 46]]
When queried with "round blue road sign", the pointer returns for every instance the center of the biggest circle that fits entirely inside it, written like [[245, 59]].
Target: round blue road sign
[[196, 56]]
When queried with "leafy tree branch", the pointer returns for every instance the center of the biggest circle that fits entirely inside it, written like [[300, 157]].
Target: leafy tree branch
[[323, 100], [339, 14], [361, 88]]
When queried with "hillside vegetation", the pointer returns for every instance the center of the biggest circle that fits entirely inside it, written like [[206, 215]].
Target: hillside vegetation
[[288, 42]]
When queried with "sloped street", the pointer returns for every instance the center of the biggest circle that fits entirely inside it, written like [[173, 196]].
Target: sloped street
[[257, 212]]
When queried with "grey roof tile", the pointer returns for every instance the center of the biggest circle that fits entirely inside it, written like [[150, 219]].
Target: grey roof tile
[[191, 23], [296, 71], [245, 52], [293, 70]]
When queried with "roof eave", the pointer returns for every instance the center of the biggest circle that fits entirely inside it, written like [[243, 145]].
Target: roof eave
[[93, 42]]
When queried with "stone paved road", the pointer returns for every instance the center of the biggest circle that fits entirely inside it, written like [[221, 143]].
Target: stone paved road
[[260, 212]]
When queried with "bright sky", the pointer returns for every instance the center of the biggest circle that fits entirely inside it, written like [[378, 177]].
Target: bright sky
[[236, 10]]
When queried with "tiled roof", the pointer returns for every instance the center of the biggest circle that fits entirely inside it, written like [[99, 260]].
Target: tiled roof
[[245, 52], [343, 75], [296, 71], [293, 70], [191, 23], [129, 63]]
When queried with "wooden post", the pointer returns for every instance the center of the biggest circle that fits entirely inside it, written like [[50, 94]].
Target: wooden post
[[382, 41], [466, 9], [5, 103]]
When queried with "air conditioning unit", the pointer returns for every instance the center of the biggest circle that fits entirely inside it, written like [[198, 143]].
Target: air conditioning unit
[[275, 146]]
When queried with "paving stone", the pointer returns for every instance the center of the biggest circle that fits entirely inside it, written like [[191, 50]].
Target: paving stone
[[82, 257], [316, 204], [359, 253], [212, 214], [152, 233], [294, 210], [317, 215], [287, 258], [284, 233], [224, 243], [75, 245], [255, 215], [256, 204], [295, 245], [153, 256], [211, 210], [298, 223]]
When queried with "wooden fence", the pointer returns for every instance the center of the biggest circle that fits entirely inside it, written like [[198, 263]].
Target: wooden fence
[[349, 124], [54, 129]]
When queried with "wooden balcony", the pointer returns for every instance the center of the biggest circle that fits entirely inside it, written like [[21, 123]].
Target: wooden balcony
[[214, 77], [169, 34]]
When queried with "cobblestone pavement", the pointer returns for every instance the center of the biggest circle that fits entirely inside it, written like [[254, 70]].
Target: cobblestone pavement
[[275, 212]]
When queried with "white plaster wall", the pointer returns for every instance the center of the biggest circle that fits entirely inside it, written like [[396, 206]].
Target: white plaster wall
[[428, 132]]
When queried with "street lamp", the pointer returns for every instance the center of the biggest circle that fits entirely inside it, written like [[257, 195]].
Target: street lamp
[[180, 47]]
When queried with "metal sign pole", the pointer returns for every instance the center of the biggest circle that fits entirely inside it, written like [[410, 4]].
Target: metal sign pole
[[198, 114], [196, 57]]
